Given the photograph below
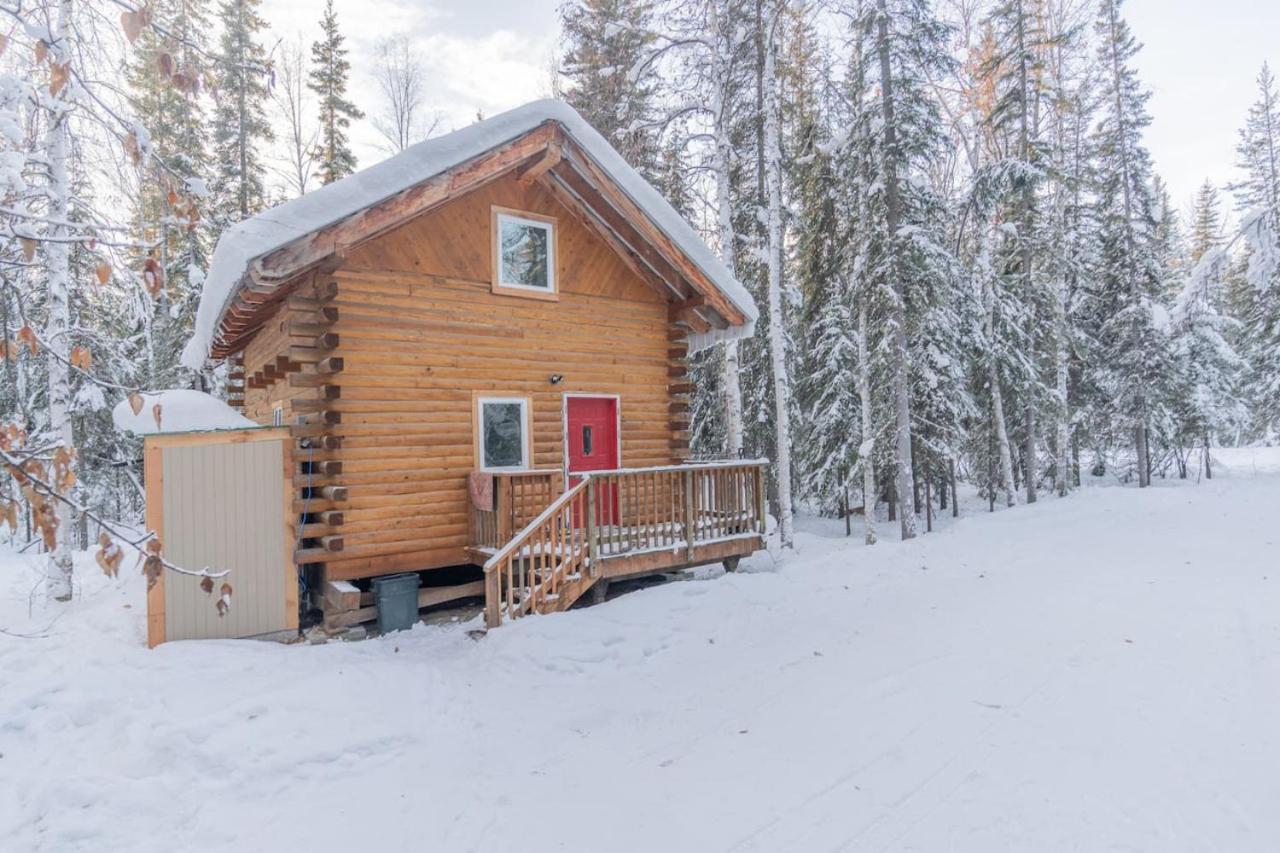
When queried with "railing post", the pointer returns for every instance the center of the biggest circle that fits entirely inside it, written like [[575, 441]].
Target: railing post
[[688, 513], [593, 547], [492, 596], [760, 500], [505, 511]]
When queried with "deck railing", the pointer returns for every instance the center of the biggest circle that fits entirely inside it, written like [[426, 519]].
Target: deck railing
[[613, 514], [518, 496]]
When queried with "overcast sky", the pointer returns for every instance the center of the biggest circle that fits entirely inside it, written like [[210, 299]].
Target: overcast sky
[[1200, 60]]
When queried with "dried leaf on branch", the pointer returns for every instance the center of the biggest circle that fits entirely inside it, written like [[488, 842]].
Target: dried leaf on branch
[[59, 74], [26, 335], [153, 276], [109, 556], [135, 402], [28, 248], [155, 413], [224, 599], [103, 271], [81, 358]]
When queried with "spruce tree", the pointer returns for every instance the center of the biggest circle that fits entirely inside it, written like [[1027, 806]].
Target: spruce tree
[[607, 47], [1255, 294], [1134, 362], [329, 71], [240, 126], [166, 78]]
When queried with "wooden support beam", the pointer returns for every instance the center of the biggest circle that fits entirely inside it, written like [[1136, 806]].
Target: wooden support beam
[[333, 518], [333, 493], [331, 543], [551, 155]]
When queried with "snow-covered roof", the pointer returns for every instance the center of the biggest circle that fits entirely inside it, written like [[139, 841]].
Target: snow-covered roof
[[181, 410], [279, 226]]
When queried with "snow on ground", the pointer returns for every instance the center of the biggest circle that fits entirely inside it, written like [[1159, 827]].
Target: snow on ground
[[1095, 673]]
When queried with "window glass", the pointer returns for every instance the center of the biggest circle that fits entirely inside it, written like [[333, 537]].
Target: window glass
[[586, 441], [525, 253], [502, 434]]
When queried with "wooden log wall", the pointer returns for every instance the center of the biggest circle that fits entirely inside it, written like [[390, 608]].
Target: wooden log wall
[[292, 364], [420, 334]]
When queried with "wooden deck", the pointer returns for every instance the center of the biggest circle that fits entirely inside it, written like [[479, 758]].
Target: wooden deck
[[611, 524]]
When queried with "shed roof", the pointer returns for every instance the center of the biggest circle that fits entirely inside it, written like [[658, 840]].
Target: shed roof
[[276, 245]]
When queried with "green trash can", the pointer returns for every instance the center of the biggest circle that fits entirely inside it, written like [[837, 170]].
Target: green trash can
[[397, 598]]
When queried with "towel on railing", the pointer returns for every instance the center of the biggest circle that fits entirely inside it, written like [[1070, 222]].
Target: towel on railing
[[480, 485]]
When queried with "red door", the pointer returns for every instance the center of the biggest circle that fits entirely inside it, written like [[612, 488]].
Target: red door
[[592, 425]]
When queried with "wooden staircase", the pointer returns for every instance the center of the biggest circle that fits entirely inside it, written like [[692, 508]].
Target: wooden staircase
[[547, 566]]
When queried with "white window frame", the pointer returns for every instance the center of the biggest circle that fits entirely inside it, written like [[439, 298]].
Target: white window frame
[[277, 416], [502, 216], [525, 423]]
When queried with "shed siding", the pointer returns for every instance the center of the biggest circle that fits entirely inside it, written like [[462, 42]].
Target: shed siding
[[422, 334], [224, 508]]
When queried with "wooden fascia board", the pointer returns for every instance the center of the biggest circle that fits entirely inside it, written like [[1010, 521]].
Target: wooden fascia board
[[630, 212], [634, 260]]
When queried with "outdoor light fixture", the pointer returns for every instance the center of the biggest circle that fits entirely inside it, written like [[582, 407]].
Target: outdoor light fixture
[[557, 378]]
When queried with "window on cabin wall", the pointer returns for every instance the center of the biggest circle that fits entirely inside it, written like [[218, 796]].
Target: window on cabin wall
[[525, 254], [504, 433]]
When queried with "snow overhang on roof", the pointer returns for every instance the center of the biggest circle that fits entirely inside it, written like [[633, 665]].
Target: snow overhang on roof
[[241, 250]]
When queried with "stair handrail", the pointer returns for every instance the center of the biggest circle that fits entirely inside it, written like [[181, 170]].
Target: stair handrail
[[517, 541]]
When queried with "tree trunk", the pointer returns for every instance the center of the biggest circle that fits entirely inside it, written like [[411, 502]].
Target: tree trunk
[[777, 319], [1002, 438], [730, 372], [1208, 472], [897, 319], [1026, 230], [866, 453], [58, 327], [1144, 460], [1062, 422]]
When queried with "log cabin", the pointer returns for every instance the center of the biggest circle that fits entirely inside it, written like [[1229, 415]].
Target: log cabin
[[479, 347]]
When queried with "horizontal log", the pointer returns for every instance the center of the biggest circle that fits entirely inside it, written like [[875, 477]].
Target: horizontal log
[[299, 329], [322, 418], [333, 493], [309, 430], [312, 531], [332, 543], [284, 366], [339, 596], [324, 467], [308, 355], [321, 441], [309, 380], [321, 292], [332, 517], [329, 365]]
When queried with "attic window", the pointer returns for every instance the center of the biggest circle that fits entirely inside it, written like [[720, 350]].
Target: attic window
[[524, 254]]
